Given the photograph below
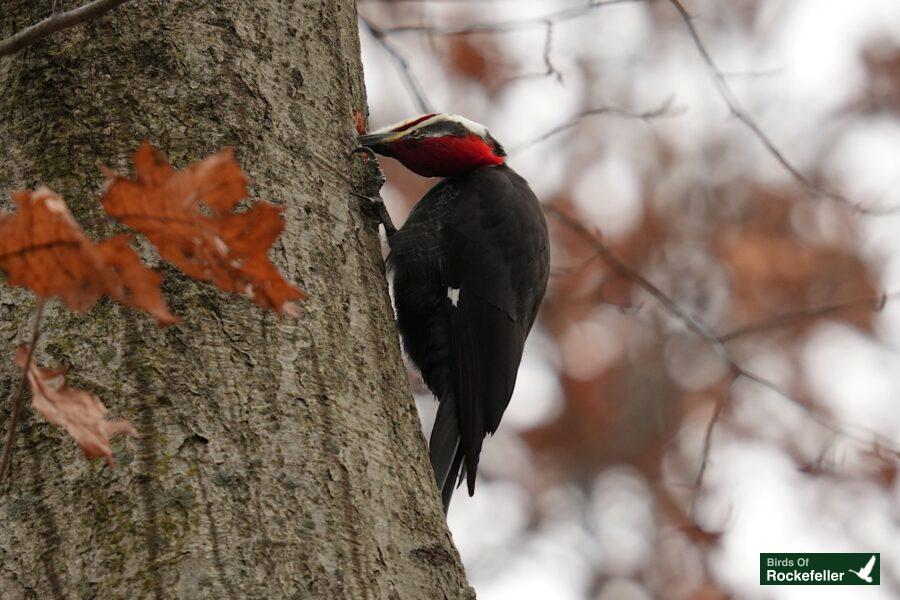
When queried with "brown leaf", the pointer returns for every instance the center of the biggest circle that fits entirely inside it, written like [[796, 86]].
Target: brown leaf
[[359, 119], [43, 248], [134, 284], [480, 60], [81, 413], [774, 270], [187, 216]]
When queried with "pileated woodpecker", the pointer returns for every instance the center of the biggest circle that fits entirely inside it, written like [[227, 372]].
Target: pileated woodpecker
[[470, 269]]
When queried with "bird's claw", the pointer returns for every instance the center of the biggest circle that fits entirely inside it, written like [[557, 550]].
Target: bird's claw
[[371, 161], [370, 154], [375, 209]]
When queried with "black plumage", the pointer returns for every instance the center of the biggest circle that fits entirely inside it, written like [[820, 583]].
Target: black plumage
[[470, 268]]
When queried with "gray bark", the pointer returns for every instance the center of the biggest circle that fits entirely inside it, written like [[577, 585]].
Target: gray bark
[[277, 459]]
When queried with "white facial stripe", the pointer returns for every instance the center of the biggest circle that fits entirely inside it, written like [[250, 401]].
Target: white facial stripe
[[476, 128], [453, 294], [400, 125]]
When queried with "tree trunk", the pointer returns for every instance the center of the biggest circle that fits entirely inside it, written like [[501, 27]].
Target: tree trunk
[[277, 458]]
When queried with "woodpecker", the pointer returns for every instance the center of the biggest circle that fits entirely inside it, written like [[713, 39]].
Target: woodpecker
[[470, 268]]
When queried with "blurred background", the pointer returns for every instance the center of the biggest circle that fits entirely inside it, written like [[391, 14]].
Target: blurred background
[[715, 372]]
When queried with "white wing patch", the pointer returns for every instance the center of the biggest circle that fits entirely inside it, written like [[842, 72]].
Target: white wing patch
[[453, 294]]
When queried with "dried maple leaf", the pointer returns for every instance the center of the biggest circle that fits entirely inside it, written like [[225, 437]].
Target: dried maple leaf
[[81, 413], [187, 216], [43, 248]]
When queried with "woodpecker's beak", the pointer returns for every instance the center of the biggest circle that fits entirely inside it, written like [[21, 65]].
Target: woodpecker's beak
[[377, 142]]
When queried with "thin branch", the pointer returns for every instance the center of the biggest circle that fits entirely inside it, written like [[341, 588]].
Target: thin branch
[[412, 82], [787, 319], [664, 110], [504, 26], [753, 74], [624, 270], [738, 112], [707, 441], [20, 391], [681, 520], [550, 69], [56, 22]]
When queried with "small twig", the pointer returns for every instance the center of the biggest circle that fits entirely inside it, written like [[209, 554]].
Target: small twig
[[56, 22], [548, 50], [412, 82], [549, 68], [20, 391], [791, 317], [664, 110], [627, 272], [738, 112], [670, 507], [504, 26], [707, 441]]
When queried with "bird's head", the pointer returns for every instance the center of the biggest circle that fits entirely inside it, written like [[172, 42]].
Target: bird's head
[[437, 145]]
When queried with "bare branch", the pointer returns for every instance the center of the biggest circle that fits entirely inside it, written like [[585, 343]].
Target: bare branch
[[548, 49], [56, 22], [412, 82], [624, 270], [670, 507], [790, 318], [738, 112], [664, 110], [707, 441], [20, 392], [503, 26], [549, 68]]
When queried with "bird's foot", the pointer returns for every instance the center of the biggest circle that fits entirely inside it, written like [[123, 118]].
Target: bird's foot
[[375, 209], [371, 161], [370, 154]]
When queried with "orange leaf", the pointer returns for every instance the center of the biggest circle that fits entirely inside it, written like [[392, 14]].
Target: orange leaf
[[43, 248], [187, 216], [81, 413], [359, 120], [134, 284]]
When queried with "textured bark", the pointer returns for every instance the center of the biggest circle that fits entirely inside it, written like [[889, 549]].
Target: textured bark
[[278, 459]]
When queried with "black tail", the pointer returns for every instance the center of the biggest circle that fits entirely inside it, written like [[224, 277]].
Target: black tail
[[445, 449]]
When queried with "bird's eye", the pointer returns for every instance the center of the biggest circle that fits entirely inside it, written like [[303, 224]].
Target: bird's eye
[[418, 134]]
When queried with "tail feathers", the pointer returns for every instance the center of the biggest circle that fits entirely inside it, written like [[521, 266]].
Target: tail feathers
[[445, 448], [452, 482]]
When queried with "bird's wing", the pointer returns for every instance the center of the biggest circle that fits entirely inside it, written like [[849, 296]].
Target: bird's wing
[[485, 351], [869, 565], [419, 241], [495, 275]]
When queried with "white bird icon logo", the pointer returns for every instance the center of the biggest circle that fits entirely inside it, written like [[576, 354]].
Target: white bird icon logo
[[866, 572]]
